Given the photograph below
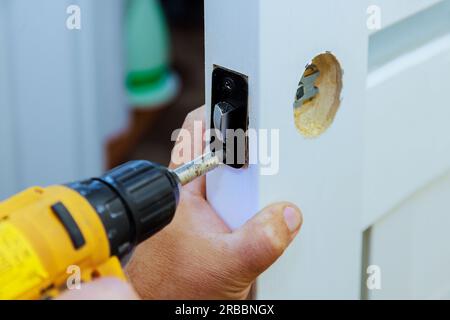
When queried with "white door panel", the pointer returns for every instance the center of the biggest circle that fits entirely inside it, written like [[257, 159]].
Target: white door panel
[[407, 154], [393, 11], [406, 127], [378, 169], [7, 165], [411, 246], [61, 90], [244, 37]]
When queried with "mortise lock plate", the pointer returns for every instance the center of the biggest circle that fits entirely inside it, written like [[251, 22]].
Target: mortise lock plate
[[229, 116]]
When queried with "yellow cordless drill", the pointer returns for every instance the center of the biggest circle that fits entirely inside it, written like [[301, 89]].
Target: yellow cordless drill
[[92, 224]]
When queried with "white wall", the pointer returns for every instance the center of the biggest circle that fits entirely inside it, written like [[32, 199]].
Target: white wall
[[8, 181], [407, 156], [60, 90]]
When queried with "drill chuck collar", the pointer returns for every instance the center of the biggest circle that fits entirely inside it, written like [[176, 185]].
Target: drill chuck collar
[[134, 201]]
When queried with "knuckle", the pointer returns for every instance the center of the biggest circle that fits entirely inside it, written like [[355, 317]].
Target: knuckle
[[265, 248], [271, 241]]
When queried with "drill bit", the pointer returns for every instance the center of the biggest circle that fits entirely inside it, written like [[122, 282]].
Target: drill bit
[[197, 168]]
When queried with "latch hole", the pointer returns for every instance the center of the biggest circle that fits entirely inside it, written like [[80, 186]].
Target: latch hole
[[318, 95]]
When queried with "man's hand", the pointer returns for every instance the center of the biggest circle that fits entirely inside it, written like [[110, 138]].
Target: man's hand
[[198, 257]]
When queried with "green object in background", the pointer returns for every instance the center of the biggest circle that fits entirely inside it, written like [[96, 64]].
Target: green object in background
[[150, 82]]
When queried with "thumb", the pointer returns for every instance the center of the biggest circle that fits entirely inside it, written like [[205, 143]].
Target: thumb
[[263, 239]]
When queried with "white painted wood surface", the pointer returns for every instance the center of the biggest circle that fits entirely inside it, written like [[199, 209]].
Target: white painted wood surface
[[60, 94], [407, 127], [388, 176], [410, 245], [393, 11], [271, 44]]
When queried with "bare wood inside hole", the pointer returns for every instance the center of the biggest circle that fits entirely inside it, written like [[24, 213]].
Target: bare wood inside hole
[[314, 116]]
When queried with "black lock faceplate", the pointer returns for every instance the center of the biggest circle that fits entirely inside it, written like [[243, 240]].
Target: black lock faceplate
[[231, 88]]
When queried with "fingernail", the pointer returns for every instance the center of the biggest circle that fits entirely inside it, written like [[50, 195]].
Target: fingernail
[[292, 218]]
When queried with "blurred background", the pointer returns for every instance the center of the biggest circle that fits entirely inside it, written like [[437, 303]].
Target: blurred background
[[86, 85], [185, 23]]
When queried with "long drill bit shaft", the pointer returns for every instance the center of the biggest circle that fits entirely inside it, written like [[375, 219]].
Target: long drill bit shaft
[[197, 168]]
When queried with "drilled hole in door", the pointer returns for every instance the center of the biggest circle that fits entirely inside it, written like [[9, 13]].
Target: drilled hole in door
[[318, 95]]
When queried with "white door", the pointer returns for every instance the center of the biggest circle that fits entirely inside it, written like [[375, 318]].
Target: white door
[[373, 182]]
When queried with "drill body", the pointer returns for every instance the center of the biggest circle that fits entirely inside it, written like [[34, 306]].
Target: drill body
[[48, 234]]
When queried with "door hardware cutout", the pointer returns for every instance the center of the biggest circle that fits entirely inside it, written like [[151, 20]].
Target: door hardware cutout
[[229, 116], [318, 96]]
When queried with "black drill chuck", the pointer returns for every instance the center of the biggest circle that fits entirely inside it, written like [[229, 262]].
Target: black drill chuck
[[134, 201]]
